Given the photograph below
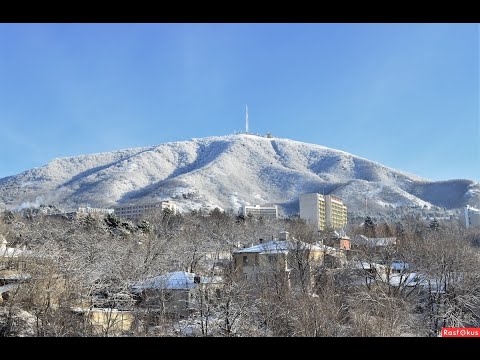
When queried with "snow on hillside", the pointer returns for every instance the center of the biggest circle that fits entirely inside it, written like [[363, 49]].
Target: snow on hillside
[[225, 172]]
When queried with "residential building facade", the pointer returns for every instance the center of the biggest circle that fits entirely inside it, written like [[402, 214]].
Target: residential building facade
[[135, 211], [107, 321], [82, 212], [94, 211], [323, 210], [472, 217], [13, 264], [278, 256]]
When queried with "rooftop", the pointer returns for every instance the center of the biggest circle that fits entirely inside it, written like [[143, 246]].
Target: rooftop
[[179, 280], [279, 246], [6, 251]]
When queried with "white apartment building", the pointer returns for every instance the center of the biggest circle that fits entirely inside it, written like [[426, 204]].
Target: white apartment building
[[260, 211], [323, 210], [135, 211], [472, 217], [94, 211]]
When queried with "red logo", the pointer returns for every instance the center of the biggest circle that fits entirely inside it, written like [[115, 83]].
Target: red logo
[[460, 332]]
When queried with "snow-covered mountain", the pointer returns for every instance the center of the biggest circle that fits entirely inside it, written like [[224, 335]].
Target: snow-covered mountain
[[225, 172]]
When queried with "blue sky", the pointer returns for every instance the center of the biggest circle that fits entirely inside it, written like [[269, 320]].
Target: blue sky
[[405, 95]]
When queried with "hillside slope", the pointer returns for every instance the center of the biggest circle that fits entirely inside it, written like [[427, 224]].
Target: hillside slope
[[227, 171]]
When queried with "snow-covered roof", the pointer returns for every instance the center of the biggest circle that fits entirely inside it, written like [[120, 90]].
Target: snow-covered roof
[[12, 252], [473, 209], [341, 234], [399, 265], [332, 251], [13, 275], [410, 279], [279, 246], [6, 251], [364, 265], [179, 280], [401, 279], [417, 279], [8, 287]]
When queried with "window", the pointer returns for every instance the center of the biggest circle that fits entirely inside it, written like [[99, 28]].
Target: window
[[271, 259], [245, 260]]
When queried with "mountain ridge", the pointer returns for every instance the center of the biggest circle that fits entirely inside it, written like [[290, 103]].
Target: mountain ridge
[[225, 172]]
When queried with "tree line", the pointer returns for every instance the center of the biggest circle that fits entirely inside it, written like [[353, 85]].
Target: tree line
[[92, 262]]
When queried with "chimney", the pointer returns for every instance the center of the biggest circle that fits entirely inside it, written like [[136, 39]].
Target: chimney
[[283, 235]]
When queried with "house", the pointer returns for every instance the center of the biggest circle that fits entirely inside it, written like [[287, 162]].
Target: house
[[396, 274], [290, 257], [12, 268], [217, 261], [333, 257], [11, 257], [339, 239], [33, 271], [344, 243], [107, 321], [173, 293]]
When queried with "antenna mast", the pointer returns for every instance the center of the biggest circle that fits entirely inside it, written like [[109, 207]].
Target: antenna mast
[[246, 119]]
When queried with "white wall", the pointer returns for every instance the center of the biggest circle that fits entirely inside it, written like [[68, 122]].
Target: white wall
[[309, 208]]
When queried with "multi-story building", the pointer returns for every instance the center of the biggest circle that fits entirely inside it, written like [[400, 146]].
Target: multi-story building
[[312, 209], [323, 210], [94, 211], [260, 211], [472, 217], [135, 211], [13, 262], [82, 212], [335, 212]]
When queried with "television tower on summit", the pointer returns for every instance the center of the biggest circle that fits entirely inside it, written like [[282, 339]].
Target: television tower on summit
[[246, 119]]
